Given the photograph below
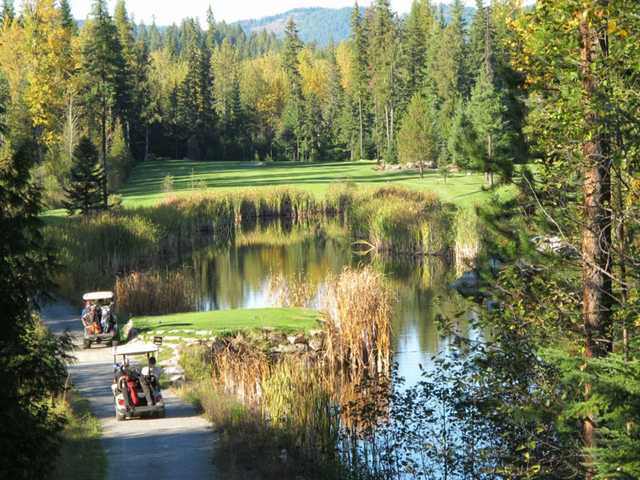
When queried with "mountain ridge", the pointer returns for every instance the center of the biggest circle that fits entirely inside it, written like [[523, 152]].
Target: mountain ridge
[[320, 25]]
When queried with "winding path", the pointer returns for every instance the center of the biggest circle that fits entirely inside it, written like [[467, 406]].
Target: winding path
[[179, 446]]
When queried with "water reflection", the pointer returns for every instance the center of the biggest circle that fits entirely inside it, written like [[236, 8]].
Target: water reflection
[[237, 276]]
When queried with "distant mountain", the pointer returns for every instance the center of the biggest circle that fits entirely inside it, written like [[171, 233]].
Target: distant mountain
[[319, 25]]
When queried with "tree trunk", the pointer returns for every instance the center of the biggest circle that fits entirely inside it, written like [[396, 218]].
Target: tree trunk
[[361, 129], [105, 192], [146, 142], [596, 229]]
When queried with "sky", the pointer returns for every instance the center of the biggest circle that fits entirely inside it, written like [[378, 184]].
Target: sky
[[169, 11]]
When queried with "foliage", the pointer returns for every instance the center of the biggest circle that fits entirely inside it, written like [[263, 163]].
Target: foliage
[[32, 359], [84, 193], [416, 139]]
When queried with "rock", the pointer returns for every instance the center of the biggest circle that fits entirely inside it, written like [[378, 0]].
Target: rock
[[316, 344], [296, 339], [286, 348], [176, 380], [218, 345], [301, 347], [203, 333], [276, 337]]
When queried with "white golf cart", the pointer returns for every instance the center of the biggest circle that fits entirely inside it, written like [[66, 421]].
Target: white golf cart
[[99, 322], [136, 387]]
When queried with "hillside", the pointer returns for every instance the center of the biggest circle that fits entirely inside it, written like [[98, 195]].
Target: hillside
[[319, 25]]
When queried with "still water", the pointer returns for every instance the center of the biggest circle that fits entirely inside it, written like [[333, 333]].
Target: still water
[[237, 276]]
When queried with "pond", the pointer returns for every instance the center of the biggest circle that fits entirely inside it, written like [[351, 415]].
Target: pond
[[238, 276]]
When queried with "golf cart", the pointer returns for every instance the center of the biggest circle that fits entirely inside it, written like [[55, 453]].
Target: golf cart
[[99, 322], [136, 388]]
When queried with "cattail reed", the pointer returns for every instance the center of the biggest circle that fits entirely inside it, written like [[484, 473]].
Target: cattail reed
[[155, 293], [359, 307]]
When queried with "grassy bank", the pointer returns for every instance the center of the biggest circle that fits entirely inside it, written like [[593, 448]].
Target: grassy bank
[[227, 322], [280, 416], [94, 250], [81, 454], [145, 186]]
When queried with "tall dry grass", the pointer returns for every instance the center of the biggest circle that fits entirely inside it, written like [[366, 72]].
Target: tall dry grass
[[359, 308], [467, 239], [292, 291], [155, 293]]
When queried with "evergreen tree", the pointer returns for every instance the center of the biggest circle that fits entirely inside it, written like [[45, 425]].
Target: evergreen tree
[[32, 360], [487, 114], [383, 53], [155, 39], [103, 66], [417, 139], [194, 94], [84, 193], [8, 13], [462, 143], [211, 29], [417, 30], [291, 63], [360, 76], [68, 21]]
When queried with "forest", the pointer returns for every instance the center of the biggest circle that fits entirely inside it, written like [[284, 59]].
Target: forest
[[542, 98], [213, 94]]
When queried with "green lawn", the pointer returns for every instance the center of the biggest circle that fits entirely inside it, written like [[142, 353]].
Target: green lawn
[[222, 322], [145, 183]]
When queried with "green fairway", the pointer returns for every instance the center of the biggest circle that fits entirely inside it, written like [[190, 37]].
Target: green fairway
[[145, 183], [222, 322]]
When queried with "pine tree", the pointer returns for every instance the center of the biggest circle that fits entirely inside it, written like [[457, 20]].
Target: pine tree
[[68, 21], [103, 67], [360, 76], [416, 31], [194, 93], [417, 139], [155, 39], [487, 113], [211, 30], [84, 193], [295, 101]]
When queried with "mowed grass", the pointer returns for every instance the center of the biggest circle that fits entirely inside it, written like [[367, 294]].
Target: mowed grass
[[144, 187], [223, 322]]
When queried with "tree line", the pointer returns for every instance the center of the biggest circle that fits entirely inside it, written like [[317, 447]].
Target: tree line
[[415, 89]]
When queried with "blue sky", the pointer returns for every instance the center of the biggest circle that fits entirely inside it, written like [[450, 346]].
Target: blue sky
[[168, 11]]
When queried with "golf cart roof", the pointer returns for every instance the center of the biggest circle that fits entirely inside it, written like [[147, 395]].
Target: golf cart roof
[[135, 349], [97, 296]]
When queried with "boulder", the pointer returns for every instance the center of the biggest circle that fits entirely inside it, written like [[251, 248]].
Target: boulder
[[287, 348], [316, 343], [297, 339]]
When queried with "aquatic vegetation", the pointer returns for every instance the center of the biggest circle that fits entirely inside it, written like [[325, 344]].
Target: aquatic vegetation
[[467, 239], [359, 306], [91, 250], [154, 293], [293, 291]]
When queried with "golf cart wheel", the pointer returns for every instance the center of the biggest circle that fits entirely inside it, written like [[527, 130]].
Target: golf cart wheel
[[120, 417], [86, 344]]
